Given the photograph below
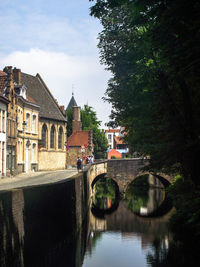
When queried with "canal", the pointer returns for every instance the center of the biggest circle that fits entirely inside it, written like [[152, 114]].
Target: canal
[[63, 225]]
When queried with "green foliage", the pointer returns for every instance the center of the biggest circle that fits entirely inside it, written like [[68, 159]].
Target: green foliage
[[90, 122], [113, 157], [151, 49], [185, 223], [104, 189], [142, 181], [136, 195]]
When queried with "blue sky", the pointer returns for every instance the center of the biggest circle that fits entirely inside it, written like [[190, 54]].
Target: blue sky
[[57, 39]]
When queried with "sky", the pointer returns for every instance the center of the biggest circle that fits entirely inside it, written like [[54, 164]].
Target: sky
[[58, 40]]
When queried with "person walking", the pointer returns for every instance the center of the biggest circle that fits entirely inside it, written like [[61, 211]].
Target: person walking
[[79, 164]]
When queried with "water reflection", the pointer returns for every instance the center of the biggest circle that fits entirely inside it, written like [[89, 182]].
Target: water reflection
[[122, 237], [142, 197], [52, 226]]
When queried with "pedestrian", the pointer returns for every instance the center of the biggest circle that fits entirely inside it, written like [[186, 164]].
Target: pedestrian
[[79, 164]]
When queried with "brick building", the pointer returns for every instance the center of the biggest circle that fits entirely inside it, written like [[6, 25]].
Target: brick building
[[9, 92], [80, 142]]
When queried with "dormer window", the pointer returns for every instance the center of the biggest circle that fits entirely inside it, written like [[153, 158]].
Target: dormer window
[[23, 90]]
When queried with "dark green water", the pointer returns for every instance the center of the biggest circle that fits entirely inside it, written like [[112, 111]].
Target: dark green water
[[53, 226]]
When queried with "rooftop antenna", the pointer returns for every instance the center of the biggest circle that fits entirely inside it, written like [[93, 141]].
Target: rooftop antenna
[[72, 90]]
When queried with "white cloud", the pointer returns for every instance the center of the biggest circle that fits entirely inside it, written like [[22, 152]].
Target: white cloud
[[60, 71]]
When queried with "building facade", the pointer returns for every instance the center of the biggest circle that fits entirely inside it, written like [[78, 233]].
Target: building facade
[[3, 130], [51, 124], [110, 135], [9, 92], [27, 131]]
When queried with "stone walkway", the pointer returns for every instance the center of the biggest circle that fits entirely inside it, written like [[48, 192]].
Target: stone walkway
[[36, 178]]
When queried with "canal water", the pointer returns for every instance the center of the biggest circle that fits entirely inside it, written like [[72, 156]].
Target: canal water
[[63, 225]]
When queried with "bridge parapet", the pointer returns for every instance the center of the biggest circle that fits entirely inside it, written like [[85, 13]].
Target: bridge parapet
[[123, 171]]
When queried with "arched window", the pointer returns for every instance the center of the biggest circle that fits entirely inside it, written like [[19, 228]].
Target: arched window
[[27, 122], [44, 136], [52, 137], [34, 123], [60, 138]]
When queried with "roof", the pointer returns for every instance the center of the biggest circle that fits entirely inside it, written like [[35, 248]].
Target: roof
[[114, 153], [37, 90], [112, 131], [2, 73], [79, 138], [30, 99], [4, 99], [72, 103]]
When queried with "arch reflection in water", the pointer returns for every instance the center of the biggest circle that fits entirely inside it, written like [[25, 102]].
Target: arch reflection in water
[[105, 197], [145, 196]]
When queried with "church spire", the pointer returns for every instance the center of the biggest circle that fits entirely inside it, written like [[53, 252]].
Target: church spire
[[72, 102]]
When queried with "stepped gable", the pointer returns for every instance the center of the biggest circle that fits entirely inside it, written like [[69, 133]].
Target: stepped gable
[[37, 90], [72, 103], [79, 138]]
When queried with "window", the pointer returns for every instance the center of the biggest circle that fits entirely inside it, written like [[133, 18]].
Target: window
[[60, 138], [109, 138], [3, 121], [44, 136], [34, 124], [27, 121], [52, 137], [33, 152]]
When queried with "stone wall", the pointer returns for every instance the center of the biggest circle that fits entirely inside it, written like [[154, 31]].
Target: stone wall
[[75, 152], [47, 160]]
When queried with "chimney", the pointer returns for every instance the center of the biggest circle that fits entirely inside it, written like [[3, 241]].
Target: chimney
[[17, 76], [76, 123], [62, 108], [9, 85]]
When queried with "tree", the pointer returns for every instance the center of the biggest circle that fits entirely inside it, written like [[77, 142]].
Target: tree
[[90, 122], [151, 49]]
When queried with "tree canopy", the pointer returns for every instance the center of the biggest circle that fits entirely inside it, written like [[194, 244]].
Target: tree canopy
[[90, 122], [152, 50]]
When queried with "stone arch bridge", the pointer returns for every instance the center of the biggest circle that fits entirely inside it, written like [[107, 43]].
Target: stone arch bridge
[[123, 172]]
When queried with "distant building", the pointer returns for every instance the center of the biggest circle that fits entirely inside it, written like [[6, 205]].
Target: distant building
[[116, 142], [113, 153], [110, 135]]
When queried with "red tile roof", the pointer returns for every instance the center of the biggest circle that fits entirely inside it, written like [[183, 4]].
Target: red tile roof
[[112, 131], [79, 138], [114, 153]]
